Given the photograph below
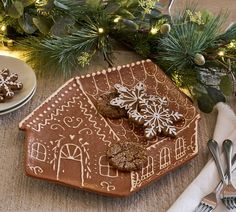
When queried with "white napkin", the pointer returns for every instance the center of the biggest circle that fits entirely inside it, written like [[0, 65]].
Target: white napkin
[[208, 178]]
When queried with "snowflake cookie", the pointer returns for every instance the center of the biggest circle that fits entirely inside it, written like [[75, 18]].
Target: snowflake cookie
[[158, 118], [148, 110], [129, 99], [8, 84]]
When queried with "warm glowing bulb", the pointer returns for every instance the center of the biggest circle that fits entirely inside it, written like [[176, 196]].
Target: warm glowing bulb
[[3, 28], [153, 31], [116, 20], [231, 45], [221, 53], [100, 30]]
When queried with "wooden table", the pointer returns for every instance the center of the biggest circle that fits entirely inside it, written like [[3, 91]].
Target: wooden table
[[21, 193]]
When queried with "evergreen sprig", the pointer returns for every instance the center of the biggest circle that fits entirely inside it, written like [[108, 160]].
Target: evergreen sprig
[[187, 38], [65, 52], [192, 47]]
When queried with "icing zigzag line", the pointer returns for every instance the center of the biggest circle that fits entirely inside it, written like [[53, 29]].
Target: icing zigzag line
[[94, 122], [48, 100], [40, 125]]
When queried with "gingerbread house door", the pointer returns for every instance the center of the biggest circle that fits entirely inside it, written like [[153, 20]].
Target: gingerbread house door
[[70, 164]]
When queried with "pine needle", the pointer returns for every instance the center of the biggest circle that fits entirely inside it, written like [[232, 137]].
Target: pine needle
[[64, 53], [186, 39]]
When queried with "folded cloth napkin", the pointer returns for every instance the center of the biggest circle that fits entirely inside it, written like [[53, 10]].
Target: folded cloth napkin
[[208, 178]]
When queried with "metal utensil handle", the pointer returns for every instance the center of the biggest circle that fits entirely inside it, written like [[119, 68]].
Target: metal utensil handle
[[228, 147], [233, 161], [214, 149]]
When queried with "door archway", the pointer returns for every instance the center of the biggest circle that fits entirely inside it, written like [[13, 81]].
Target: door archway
[[70, 163]]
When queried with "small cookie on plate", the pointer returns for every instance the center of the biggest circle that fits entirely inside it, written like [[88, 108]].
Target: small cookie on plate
[[8, 83]]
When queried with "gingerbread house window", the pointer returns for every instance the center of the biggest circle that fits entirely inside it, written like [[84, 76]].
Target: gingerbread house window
[[38, 151], [105, 169], [148, 171], [165, 158], [180, 148]]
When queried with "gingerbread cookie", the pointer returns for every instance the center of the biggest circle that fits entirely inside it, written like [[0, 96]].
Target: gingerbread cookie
[[127, 156], [148, 110], [158, 118], [129, 99], [8, 83], [106, 109]]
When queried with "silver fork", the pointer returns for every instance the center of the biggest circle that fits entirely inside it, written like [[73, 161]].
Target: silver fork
[[228, 194], [209, 202]]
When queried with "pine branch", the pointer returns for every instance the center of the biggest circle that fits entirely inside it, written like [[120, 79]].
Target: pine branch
[[64, 52], [186, 39], [225, 38]]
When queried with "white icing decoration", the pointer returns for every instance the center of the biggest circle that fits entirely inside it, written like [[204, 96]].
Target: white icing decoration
[[36, 169], [129, 98], [157, 118], [38, 151], [73, 152], [72, 137], [7, 81], [165, 160], [146, 172], [105, 169], [107, 186], [180, 148]]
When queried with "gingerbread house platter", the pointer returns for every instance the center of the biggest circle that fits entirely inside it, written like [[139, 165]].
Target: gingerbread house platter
[[67, 138]]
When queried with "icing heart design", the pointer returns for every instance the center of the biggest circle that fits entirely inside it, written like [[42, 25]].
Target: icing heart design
[[72, 137]]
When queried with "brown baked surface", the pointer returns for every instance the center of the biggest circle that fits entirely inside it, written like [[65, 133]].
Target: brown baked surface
[[67, 139], [127, 156], [106, 109]]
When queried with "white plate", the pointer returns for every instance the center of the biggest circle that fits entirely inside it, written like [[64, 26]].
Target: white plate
[[26, 75], [19, 105]]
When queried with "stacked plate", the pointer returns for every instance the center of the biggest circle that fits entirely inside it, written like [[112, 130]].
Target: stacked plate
[[25, 75]]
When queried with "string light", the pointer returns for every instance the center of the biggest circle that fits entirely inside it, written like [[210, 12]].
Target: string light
[[117, 19], [231, 45], [3, 28], [17, 54], [100, 30], [153, 30], [221, 53]]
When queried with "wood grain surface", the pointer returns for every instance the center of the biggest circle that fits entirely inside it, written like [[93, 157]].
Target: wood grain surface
[[21, 193]]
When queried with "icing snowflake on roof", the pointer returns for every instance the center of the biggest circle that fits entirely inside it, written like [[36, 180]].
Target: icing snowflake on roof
[[129, 98], [158, 118]]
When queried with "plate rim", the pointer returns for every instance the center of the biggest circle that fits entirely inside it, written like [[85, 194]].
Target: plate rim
[[18, 106], [31, 90]]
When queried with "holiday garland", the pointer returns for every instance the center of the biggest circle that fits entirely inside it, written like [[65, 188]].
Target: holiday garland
[[192, 48]]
